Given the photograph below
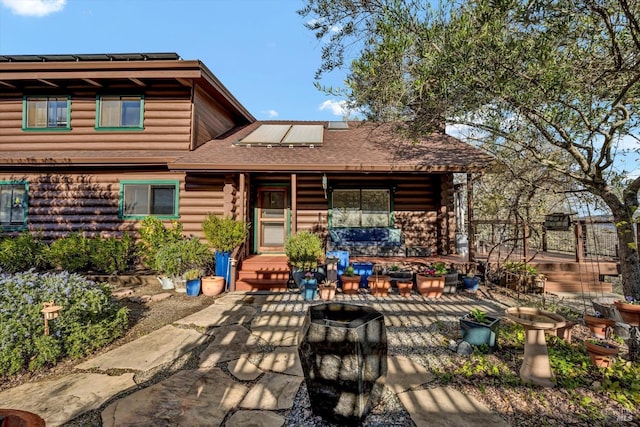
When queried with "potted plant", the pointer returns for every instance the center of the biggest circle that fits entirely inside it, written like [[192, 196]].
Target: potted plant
[[303, 251], [350, 280], [309, 285], [224, 235], [175, 258], [629, 310], [601, 352], [327, 290], [379, 284], [599, 326], [401, 278], [430, 281], [471, 282], [479, 329]]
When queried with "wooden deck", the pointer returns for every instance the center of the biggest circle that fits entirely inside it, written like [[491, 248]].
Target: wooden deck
[[271, 272]]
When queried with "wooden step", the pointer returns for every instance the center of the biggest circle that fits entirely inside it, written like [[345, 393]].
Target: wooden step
[[261, 285], [263, 273]]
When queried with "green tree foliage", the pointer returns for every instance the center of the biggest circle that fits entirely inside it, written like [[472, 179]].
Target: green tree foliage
[[552, 83]]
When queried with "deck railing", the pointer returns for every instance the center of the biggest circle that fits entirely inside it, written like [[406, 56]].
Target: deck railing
[[584, 239]]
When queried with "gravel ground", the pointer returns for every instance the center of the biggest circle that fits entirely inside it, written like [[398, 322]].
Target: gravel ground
[[518, 405]]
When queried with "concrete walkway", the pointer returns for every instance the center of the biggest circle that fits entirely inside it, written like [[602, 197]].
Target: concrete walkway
[[236, 364]]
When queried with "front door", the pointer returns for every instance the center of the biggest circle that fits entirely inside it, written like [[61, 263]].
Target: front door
[[272, 215]]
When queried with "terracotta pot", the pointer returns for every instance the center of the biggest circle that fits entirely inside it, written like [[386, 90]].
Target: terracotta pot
[[630, 313], [599, 325], [430, 286], [212, 285], [405, 287], [327, 292], [350, 284], [600, 355], [379, 285]]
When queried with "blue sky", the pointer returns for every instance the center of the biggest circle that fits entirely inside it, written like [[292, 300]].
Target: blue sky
[[259, 49]]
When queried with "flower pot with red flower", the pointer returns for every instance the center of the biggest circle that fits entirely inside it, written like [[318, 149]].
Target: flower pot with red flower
[[430, 281]]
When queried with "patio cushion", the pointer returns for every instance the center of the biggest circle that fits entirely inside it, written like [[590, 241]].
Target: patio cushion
[[370, 241]]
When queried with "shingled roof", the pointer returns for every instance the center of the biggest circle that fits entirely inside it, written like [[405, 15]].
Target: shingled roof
[[362, 147]]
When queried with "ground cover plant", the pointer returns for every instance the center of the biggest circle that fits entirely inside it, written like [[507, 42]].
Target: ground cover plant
[[89, 319], [589, 389]]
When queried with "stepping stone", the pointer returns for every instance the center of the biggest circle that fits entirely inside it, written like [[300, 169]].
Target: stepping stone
[[159, 347], [283, 360], [229, 343], [255, 419], [244, 370], [278, 328], [273, 392], [404, 374], [121, 293], [58, 401], [160, 297], [444, 406], [189, 398], [219, 315]]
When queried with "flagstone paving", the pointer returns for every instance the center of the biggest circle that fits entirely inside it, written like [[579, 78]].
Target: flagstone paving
[[244, 369], [159, 347], [63, 399]]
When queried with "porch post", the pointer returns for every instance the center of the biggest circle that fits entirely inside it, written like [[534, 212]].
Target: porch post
[[579, 247], [471, 238], [243, 206], [294, 203]]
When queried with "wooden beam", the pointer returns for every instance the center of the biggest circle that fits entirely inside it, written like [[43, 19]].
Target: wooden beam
[[138, 82], [47, 82], [185, 82], [92, 82], [7, 84]]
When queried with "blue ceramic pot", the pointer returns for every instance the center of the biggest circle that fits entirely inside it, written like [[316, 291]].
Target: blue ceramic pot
[[193, 287]]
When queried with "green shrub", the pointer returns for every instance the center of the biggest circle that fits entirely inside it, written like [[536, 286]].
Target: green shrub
[[71, 253], [224, 234], [155, 235], [174, 259], [112, 255], [22, 253], [90, 318], [303, 250]]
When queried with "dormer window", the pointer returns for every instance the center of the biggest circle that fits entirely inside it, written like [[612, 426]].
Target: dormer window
[[46, 113], [119, 112]]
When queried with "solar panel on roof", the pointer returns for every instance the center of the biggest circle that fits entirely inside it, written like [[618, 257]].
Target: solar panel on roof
[[304, 135], [285, 135], [338, 125], [266, 134]]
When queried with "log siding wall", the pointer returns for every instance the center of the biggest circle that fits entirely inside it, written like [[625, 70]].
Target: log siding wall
[[172, 120], [62, 203]]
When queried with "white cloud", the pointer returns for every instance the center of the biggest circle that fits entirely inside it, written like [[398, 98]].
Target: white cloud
[[270, 113], [338, 108], [34, 7]]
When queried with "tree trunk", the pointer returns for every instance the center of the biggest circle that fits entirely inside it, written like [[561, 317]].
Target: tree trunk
[[628, 250]]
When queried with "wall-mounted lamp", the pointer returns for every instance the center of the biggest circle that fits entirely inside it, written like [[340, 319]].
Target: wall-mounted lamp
[[50, 312]]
